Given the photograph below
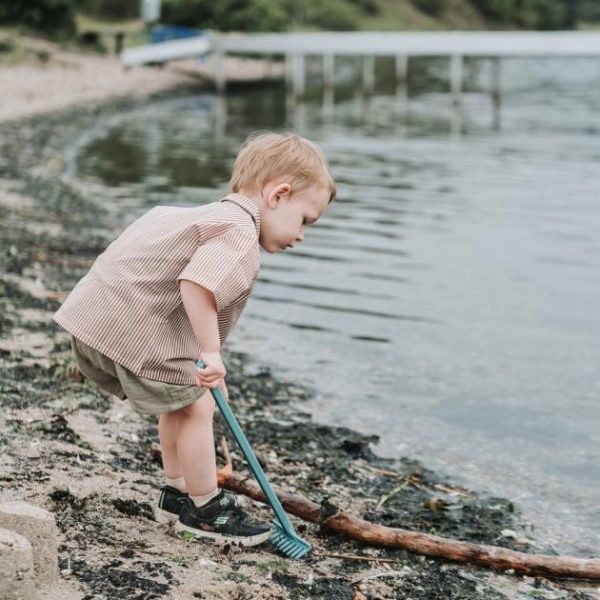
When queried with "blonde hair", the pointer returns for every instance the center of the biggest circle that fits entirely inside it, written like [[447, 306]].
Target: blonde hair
[[266, 155]]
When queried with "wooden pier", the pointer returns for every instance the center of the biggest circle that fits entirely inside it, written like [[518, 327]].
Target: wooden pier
[[295, 47]]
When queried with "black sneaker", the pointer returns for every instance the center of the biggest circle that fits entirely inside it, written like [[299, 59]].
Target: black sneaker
[[222, 521], [169, 504]]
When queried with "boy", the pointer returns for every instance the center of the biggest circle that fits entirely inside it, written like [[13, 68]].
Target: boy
[[168, 290]]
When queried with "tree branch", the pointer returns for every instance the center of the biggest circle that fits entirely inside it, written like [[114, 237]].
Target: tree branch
[[493, 557]]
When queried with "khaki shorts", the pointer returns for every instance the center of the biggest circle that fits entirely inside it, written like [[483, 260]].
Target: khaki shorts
[[147, 396]]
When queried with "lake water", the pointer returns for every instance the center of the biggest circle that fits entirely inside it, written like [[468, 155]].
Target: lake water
[[449, 301]]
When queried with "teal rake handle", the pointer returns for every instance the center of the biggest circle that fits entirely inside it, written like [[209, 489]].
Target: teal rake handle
[[257, 470]]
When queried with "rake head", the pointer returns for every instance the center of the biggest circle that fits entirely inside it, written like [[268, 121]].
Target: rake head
[[289, 543]]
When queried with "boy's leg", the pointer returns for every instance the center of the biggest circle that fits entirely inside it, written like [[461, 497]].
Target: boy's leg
[[187, 444], [168, 431], [196, 449], [195, 446], [186, 436]]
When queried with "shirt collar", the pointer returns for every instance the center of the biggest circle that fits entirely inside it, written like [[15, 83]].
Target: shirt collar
[[246, 204]]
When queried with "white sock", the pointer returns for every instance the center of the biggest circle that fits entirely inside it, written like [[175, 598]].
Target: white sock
[[178, 484], [202, 500]]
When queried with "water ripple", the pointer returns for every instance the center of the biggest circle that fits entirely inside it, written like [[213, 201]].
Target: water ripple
[[346, 309]]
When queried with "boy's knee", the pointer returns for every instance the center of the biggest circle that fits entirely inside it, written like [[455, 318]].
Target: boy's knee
[[203, 408]]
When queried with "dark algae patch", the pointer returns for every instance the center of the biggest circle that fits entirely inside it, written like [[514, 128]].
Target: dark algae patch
[[94, 463], [113, 580]]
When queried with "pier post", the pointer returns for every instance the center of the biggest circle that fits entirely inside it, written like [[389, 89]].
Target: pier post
[[328, 71], [368, 74], [401, 104], [456, 76], [269, 66], [298, 74], [219, 116], [327, 108], [496, 86], [328, 85], [496, 76], [288, 70], [456, 121], [295, 112], [401, 69], [401, 80], [220, 74]]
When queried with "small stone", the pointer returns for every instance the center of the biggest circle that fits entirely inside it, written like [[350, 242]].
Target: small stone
[[509, 533], [206, 562]]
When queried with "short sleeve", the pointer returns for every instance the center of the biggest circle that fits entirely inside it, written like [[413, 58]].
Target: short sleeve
[[225, 264]]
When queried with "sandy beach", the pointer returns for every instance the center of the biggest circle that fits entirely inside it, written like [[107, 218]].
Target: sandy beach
[[65, 79], [91, 461]]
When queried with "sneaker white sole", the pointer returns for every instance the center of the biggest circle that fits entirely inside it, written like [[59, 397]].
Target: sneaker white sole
[[164, 516], [219, 538]]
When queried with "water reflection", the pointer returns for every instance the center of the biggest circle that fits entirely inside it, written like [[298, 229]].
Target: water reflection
[[193, 150]]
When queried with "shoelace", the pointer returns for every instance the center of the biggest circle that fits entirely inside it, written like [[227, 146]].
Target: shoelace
[[234, 506], [232, 499]]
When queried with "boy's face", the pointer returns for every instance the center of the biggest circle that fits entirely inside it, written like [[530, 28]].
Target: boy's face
[[287, 214]]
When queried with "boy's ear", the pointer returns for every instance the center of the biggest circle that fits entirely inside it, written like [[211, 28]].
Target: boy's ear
[[280, 192]]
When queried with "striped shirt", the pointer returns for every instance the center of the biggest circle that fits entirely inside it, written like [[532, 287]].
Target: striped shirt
[[129, 307]]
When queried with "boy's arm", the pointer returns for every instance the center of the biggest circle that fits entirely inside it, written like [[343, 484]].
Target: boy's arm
[[201, 309]]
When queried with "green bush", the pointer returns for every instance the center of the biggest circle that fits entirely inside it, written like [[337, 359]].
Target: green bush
[[7, 45], [54, 17], [190, 13], [111, 9], [527, 14], [226, 15], [269, 15], [333, 15], [250, 15], [432, 7], [587, 10], [368, 7], [549, 15]]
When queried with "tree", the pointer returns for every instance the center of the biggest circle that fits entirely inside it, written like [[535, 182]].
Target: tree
[[226, 15], [526, 14], [47, 16]]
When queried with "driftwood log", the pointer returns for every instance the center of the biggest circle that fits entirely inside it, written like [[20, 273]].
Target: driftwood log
[[493, 557]]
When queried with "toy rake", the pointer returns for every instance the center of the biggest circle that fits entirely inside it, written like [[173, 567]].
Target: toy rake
[[284, 536]]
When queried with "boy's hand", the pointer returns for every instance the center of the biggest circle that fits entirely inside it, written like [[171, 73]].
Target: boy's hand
[[213, 375]]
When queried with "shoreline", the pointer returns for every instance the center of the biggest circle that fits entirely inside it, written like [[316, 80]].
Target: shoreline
[[94, 462]]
